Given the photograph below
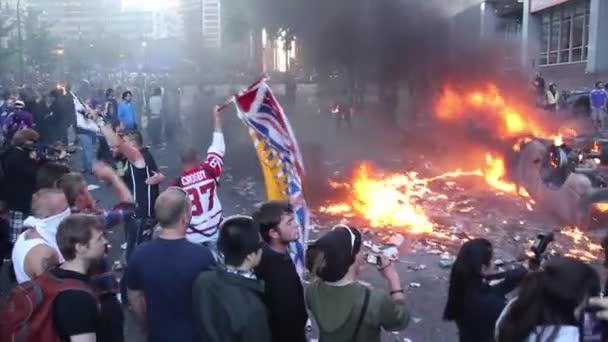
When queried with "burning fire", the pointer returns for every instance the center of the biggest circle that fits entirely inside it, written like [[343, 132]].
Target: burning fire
[[400, 201], [584, 248], [601, 207], [491, 108], [392, 200]]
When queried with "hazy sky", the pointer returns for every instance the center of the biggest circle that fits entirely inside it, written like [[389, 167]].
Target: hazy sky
[[148, 4]]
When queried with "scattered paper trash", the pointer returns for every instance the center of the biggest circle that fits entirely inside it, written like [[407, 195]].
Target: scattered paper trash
[[415, 285], [396, 240], [446, 263]]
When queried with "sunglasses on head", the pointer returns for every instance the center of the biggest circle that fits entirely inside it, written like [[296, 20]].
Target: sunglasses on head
[[353, 237], [228, 218]]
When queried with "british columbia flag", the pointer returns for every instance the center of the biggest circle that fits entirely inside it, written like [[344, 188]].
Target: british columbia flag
[[272, 133]]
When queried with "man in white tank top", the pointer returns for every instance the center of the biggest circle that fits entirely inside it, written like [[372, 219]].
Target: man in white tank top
[[36, 248]]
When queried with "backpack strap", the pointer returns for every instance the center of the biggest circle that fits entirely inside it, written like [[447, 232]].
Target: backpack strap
[[362, 313]]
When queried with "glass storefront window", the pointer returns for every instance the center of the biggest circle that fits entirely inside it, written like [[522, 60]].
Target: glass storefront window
[[564, 33], [577, 31]]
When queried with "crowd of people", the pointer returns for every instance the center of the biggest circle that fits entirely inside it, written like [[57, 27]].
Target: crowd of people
[[553, 100], [191, 273], [194, 273]]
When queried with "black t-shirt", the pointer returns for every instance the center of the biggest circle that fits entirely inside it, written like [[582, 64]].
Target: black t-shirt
[[145, 195], [19, 177], [283, 296], [75, 312]]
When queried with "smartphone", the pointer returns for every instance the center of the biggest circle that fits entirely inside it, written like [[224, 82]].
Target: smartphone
[[592, 327], [374, 259]]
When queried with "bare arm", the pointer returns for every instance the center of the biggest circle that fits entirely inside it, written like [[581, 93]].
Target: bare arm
[[39, 260], [89, 337], [130, 152], [138, 305], [155, 179], [106, 173], [218, 120]]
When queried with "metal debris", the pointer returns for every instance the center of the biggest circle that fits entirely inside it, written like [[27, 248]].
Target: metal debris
[[420, 267], [446, 263]]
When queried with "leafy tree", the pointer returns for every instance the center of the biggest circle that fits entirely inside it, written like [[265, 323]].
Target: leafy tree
[[8, 51], [38, 44]]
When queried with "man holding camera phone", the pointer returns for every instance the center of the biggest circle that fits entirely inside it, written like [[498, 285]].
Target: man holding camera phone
[[20, 163]]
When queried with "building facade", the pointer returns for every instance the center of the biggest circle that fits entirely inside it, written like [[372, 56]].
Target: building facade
[[566, 40], [84, 19], [201, 21]]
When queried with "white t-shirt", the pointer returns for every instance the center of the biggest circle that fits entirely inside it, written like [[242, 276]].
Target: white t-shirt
[[22, 247], [155, 105]]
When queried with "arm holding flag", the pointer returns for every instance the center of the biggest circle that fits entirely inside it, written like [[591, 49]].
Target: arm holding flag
[[278, 153]]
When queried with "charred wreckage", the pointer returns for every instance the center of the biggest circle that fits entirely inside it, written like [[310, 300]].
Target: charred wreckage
[[566, 177]]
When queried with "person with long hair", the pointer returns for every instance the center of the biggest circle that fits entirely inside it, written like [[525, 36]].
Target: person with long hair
[[344, 309], [472, 303], [550, 303]]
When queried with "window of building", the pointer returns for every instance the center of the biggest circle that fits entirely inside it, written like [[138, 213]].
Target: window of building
[[564, 33]]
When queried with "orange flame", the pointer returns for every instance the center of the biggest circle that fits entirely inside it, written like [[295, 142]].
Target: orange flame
[[584, 248], [490, 107], [390, 201], [601, 207]]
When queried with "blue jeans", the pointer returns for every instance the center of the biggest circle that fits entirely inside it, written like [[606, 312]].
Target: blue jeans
[[86, 143]]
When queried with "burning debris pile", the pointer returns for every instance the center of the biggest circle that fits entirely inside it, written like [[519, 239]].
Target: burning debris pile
[[444, 209]]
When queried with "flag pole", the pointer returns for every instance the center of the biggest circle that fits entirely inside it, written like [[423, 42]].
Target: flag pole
[[230, 100]]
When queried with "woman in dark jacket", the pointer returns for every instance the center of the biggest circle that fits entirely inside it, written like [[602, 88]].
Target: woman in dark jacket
[[472, 303]]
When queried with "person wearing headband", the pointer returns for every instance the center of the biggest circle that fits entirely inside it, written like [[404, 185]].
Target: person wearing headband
[[36, 250], [344, 309]]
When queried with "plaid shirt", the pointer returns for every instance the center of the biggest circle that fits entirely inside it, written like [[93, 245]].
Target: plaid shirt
[[103, 280], [15, 223]]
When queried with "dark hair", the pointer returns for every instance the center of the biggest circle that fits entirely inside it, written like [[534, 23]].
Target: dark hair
[[466, 275], [126, 93], [269, 215], [76, 229], [109, 92], [157, 92], [549, 297], [330, 257], [22, 136], [239, 237], [598, 84], [135, 135], [49, 174], [71, 184], [189, 155]]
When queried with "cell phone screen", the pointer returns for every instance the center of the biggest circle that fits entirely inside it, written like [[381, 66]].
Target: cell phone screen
[[592, 327], [373, 259]]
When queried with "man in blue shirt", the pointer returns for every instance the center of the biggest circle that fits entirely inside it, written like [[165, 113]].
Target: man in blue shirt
[[161, 273], [126, 112], [598, 99]]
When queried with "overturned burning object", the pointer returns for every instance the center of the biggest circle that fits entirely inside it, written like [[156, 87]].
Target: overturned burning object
[[565, 179]]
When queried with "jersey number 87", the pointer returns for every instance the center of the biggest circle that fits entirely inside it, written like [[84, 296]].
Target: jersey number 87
[[202, 197]]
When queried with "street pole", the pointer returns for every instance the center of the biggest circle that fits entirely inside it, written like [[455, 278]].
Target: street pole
[[20, 39]]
